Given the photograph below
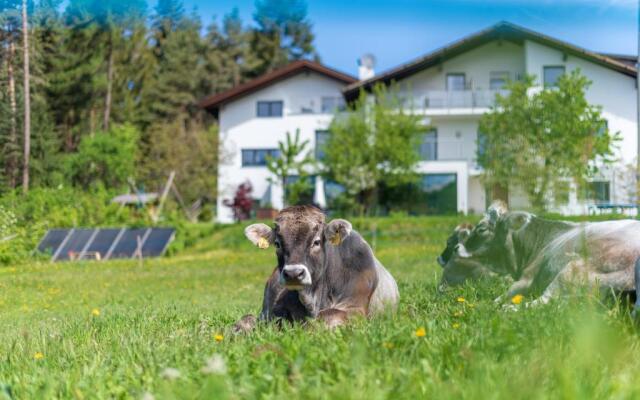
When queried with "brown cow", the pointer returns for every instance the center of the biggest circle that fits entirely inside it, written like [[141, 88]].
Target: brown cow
[[325, 271]]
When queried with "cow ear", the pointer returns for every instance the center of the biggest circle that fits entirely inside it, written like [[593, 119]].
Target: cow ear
[[518, 220], [337, 230], [496, 210], [260, 235], [463, 234]]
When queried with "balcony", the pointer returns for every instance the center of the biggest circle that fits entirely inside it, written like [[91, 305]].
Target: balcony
[[448, 150], [444, 99]]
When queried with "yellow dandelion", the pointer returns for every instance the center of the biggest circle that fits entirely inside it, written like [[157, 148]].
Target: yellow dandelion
[[460, 299], [38, 356], [218, 337], [388, 345], [458, 313], [421, 332], [455, 325], [517, 299], [95, 312]]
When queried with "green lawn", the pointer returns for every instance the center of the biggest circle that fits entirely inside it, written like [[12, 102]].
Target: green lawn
[[118, 330]]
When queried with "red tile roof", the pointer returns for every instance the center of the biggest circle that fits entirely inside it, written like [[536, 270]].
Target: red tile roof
[[213, 102]]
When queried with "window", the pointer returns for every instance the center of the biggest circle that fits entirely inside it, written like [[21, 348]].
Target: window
[[331, 104], [429, 146], [270, 109], [552, 74], [481, 144], [455, 82], [599, 192], [322, 137], [302, 193], [561, 191], [498, 80], [258, 157], [440, 193]]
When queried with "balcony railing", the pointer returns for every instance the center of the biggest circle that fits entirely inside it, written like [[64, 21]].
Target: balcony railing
[[448, 150], [440, 99]]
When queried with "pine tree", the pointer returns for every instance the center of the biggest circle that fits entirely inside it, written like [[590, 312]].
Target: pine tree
[[283, 34]]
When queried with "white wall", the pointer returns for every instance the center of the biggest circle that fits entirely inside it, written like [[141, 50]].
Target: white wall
[[457, 128], [477, 64], [613, 91], [241, 129]]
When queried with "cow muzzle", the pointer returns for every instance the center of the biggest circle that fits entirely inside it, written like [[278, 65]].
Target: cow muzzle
[[295, 276], [462, 251]]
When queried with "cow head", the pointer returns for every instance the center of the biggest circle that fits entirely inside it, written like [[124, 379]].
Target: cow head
[[459, 235], [300, 237], [491, 240], [457, 269]]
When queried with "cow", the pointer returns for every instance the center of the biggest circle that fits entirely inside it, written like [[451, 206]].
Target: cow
[[455, 273], [325, 271], [547, 256]]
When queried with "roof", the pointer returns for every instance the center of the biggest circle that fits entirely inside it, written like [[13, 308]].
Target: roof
[[213, 102], [500, 31], [623, 58]]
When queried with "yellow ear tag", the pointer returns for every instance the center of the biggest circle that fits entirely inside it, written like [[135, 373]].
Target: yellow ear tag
[[263, 243], [335, 240]]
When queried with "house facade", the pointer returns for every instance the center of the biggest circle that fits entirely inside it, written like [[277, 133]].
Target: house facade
[[451, 87]]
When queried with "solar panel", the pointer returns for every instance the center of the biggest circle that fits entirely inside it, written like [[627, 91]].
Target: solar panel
[[52, 240], [71, 248], [128, 243], [101, 244], [157, 242]]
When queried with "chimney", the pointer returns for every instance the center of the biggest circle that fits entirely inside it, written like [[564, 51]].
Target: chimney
[[366, 64]]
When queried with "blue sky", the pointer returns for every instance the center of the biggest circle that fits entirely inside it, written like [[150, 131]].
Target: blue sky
[[400, 30]]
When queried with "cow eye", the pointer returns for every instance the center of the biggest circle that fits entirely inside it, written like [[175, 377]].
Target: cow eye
[[316, 242]]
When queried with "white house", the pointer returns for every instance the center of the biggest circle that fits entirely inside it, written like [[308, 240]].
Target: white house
[[452, 87]]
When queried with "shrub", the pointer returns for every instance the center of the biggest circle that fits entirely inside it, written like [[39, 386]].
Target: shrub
[[105, 159]]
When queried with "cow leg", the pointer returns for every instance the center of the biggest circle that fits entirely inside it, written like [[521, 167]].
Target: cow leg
[[636, 306], [333, 318], [245, 324], [519, 287]]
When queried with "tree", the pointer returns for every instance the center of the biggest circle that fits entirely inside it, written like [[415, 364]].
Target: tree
[[242, 202], [283, 34], [106, 159], [27, 100], [10, 21], [375, 143], [110, 18], [293, 162], [534, 141]]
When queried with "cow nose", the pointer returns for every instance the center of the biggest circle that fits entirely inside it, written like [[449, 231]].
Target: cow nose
[[293, 274]]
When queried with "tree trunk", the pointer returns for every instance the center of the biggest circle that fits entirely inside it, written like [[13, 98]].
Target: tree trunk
[[27, 101], [107, 100], [500, 192], [12, 163]]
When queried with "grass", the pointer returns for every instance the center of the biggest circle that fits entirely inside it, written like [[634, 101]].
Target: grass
[[111, 330]]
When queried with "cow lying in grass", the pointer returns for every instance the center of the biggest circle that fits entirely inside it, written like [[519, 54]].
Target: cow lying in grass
[[455, 273], [547, 256], [325, 271]]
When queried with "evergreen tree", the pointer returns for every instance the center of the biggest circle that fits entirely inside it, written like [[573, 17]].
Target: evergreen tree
[[283, 34]]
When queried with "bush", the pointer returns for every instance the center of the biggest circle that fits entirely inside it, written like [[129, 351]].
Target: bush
[[106, 159]]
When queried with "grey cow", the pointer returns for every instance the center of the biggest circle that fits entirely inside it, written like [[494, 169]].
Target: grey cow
[[546, 256], [324, 270]]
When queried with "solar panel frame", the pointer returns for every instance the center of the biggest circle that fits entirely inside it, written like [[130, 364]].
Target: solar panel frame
[[148, 246], [127, 245], [75, 243], [49, 243], [103, 241]]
